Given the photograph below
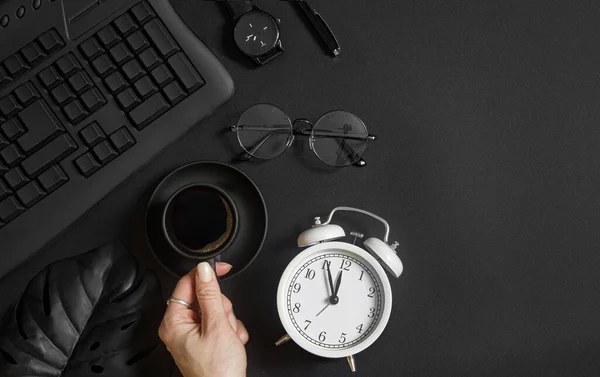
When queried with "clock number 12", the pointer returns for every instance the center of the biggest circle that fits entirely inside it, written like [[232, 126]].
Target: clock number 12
[[345, 265]]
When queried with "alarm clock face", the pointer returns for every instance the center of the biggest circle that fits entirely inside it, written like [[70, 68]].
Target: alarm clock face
[[329, 323], [256, 33]]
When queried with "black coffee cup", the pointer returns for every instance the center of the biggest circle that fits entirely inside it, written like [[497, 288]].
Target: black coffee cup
[[200, 221]]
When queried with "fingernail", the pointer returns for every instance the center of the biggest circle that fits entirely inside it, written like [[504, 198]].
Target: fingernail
[[227, 266], [205, 273]]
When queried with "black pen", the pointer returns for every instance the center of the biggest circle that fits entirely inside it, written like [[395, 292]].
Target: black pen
[[319, 23]]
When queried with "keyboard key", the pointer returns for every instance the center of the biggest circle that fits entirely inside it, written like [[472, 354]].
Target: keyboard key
[[12, 129], [41, 125], [4, 78], [75, 112], [150, 110], [10, 208], [108, 36], [93, 100], [3, 143], [160, 38], [80, 82], [120, 54], [50, 77], [174, 93], [149, 59], [137, 42], [104, 152], [51, 41], [12, 155], [161, 75], [115, 82], [87, 165], [124, 24], [9, 106], [4, 191], [92, 134], [186, 73], [50, 154], [30, 194], [144, 87], [52, 178], [142, 12], [103, 65], [132, 70], [26, 94], [15, 65], [33, 54], [127, 99], [122, 140], [91, 48], [15, 178], [67, 65], [62, 94]]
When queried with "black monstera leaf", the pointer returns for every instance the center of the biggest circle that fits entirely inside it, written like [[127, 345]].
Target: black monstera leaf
[[95, 315]]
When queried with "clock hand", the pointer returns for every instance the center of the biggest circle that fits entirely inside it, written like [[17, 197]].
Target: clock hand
[[333, 299], [338, 282], [322, 310]]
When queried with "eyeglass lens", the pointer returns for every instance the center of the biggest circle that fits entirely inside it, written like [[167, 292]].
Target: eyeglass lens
[[264, 131], [339, 138]]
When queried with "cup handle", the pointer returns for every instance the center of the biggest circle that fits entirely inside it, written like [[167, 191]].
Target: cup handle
[[213, 264]]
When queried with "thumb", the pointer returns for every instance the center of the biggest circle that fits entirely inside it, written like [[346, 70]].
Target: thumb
[[209, 297]]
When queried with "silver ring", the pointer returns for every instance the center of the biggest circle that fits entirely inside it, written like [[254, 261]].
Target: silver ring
[[178, 301]]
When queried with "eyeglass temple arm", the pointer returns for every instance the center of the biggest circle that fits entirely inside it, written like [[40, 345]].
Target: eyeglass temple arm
[[247, 155], [305, 132], [360, 162], [370, 214]]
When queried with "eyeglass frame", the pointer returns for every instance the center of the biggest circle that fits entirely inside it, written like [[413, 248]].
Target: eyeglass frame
[[247, 155]]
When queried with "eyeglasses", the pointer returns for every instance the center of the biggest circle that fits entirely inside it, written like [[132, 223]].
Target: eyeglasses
[[338, 138]]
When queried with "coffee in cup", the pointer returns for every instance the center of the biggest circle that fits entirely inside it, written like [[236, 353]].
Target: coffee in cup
[[200, 221]]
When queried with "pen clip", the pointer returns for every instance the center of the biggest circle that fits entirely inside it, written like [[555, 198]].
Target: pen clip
[[333, 44], [321, 26]]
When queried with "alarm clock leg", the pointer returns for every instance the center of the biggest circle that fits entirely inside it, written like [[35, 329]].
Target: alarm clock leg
[[284, 339], [351, 363]]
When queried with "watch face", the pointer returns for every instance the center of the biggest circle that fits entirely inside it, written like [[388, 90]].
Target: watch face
[[256, 33]]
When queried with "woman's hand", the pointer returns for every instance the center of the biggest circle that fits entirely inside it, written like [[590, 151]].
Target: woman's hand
[[207, 340]]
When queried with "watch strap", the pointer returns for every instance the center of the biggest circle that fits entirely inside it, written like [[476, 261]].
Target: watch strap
[[271, 55], [238, 8]]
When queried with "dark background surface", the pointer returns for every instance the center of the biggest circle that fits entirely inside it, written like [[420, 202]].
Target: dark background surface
[[486, 166]]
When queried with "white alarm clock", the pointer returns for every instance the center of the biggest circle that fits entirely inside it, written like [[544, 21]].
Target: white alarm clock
[[334, 298]]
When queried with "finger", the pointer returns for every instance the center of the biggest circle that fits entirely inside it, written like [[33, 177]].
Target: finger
[[185, 291], [222, 268], [228, 307], [242, 333], [209, 297]]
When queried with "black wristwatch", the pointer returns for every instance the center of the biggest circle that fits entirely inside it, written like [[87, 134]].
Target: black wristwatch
[[256, 32]]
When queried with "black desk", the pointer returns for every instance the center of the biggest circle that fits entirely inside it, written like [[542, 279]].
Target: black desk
[[487, 168]]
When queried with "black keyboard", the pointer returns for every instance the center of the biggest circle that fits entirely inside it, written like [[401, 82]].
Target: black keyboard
[[90, 90]]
